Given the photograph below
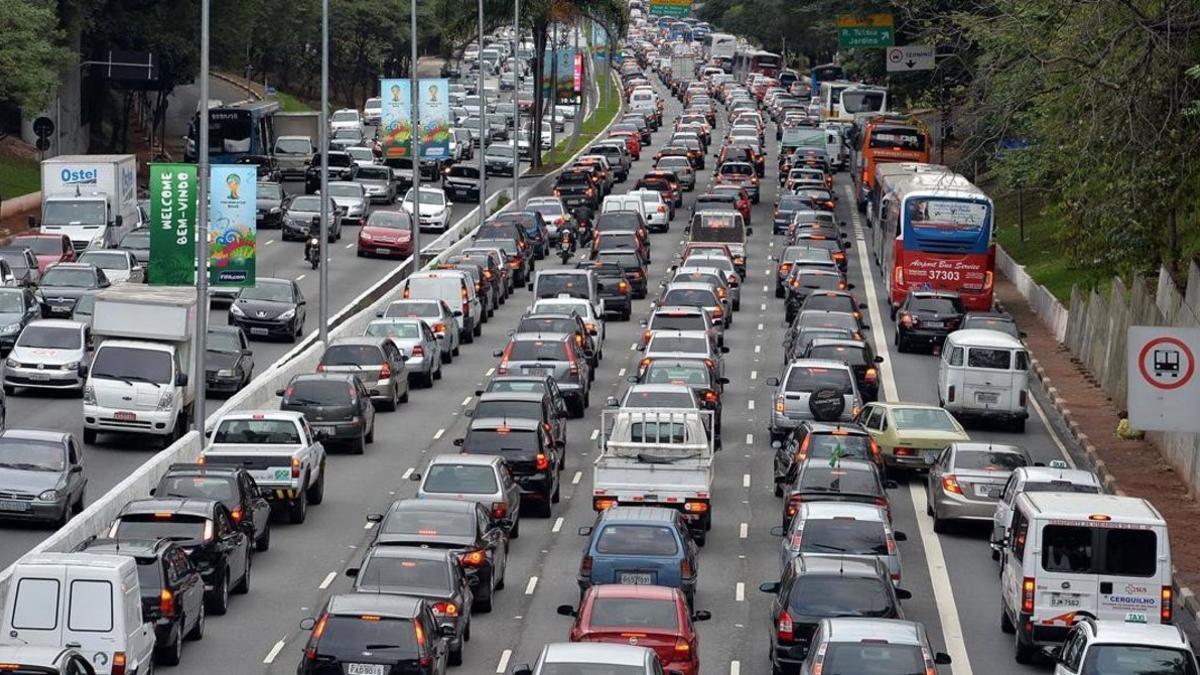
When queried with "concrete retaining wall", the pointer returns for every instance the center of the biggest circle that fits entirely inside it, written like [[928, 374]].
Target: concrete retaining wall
[[1043, 302]]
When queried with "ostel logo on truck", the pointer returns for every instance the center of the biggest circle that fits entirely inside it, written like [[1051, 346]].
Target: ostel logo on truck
[[70, 176], [967, 272]]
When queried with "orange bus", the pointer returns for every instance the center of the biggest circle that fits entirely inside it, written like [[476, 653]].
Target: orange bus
[[886, 139]]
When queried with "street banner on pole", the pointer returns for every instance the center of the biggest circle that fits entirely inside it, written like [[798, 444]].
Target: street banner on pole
[[578, 84], [434, 118], [395, 117], [232, 230], [173, 224], [565, 90]]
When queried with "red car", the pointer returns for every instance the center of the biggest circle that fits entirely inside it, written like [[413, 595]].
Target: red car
[[649, 616], [386, 233], [50, 249], [631, 141]]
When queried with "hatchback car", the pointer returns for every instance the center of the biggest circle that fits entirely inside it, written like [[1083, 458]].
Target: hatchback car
[[855, 353], [418, 345], [866, 645], [841, 530], [375, 360], [554, 355], [640, 545], [537, 406], [836, 480], [484, 479], [907, 433], [822, 441], [353, 622], [49, 354], [42, 476], [926, 318], [966, 480], [352, 198], [231, 485], [270, 308], [587, 657], [336, 405], [63, 283], [532, 455], [436, 314], [50, 249]]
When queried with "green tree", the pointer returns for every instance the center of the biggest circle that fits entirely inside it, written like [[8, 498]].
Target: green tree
[[31, 53]]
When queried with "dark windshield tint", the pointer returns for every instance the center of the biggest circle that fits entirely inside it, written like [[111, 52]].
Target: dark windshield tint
[[136, 365], [31, 455], [811, 378], [987, 460], [862, 101], [353, 355], [460, 478], [70, 277], [874, 658], [818, 281], [412, 308], [176, 527], [993, 359], [529, 410], [693, 375], [669, 343], [819, 478], [501, 441], [937, 305], [677, 322], [351, 635], [382, 572], [537, 350], [393, 220], [636, 540], [257, 432], [50, 337], [16, 260], [896, 137], [431, 523], [690, 297], [635, 613], [1109, 659], [318, 392], [844, 535], [1097, 550], [841, 596], [217, 488], [618, 221], [658, 399], [547, 325]]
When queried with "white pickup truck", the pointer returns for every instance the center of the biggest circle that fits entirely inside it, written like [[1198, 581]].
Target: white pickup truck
[[281, 452], [656, 457]]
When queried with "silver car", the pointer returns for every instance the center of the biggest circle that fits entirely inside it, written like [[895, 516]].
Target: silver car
[[436, 314], [49, 354], [685, 344], [376, 361], [485, 479], [593, 657], [42, 475], [352, 197], [877, 642], [682, 168], [841, 530], [416, 342], [966, 480], [800, 380], [378, 182], [120, 266]]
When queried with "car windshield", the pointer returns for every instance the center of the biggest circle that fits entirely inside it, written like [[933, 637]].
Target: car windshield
[[1116, 659], [843, 536], [12, 301], [318, 392], [257, 432], [31, 455], [132, 365], [273, 292], [372, 172], [392, 220], [537, 350], [37, 336], [988, 460], [355, 634], [652, 540], [501, 440], [635, 613], [396, 329], [873, 658], [176, 527], [840, 596], [460, 478], [69, 277], [382, 572], [269, 191], [433, 197], [664, 321], [306, 204], [217, 488], [39, 245], [226, 342], [107, 260], [815, 378], [352, 355], [933, 419], [529, 410]]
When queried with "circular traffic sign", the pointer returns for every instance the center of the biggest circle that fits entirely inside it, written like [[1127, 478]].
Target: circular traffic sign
[[43, 126], [42, 143], [895, 55], [1166, 363]]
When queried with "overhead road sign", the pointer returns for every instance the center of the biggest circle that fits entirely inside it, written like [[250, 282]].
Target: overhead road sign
[[909, 58], [870, 30], [671, 7], [1163, 390]]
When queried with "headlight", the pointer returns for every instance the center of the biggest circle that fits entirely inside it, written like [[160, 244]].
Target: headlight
[[74, 365], [48, 496], [287, 315], [274, 209], [166, 399], [11, 328], [89, 395], [235, 310], [225, 372], [364, 236], [11, 362]]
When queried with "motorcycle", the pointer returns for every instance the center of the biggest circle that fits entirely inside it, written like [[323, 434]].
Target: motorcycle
[[312, 251], [565, 249]]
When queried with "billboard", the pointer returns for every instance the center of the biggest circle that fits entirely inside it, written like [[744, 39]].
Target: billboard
[[563, 62], [396, 119], [173, 224], [232, 230]]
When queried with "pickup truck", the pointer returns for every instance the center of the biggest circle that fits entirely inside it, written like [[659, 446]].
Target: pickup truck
[[657, 457], [281, 452]]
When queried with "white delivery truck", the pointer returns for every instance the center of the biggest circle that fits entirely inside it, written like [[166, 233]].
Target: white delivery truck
[[90, 198], [657, 457], [140, 380], [683, 68]]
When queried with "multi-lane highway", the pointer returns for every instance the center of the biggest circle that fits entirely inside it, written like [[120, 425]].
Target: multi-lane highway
[[952, 577]]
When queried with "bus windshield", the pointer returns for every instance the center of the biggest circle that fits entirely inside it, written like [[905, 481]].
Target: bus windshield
[[228, 130], [929, 215]]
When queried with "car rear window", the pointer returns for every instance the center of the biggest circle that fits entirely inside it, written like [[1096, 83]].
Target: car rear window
[[537, 350], [851, 356], [460, 478], [818, 281], [923, 418], [501, 441], [553, 285], [635, 613], [658, 399], [219, 488], [991, 359], [175, 526], [534, 324], [431, 523], [677, 322], [874, 658], [618, 221], [841, 596], [318, 392], [844, 535], [352, 355], [528, 410], [261, 432], [1099, 550], [839, 480], [382, 572], [617, 539], [393, 329], [692, 375], [690, 297], [814, 378], [353, 634], [988, 460], [937, 305], [671, 343]]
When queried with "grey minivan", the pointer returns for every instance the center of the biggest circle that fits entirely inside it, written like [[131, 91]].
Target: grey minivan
[[376, 361]]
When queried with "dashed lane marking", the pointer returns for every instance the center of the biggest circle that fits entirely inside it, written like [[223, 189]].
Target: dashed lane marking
[[529, 587], [504, 657], [274, 651], [327, 581]]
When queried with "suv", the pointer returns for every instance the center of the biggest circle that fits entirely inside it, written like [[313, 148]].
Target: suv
[[555, 355], [336, 404], [802, 378], [351, 622], [374, 360], [461, 182], [233, 486], [927, 317], [617, 156], [533, 456]]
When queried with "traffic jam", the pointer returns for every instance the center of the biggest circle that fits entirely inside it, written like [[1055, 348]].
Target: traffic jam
[[751, 329]]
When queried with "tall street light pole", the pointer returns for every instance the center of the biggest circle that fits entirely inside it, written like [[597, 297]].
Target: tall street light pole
[[323, 136], [201, 228], [482, 126], [416, 143], [516, 196]]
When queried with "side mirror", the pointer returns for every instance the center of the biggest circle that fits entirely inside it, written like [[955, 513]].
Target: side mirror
[[374, 517], [458, 442], [632, 379], [702, 615], [890, 485], [878, 359], [181, 380], [724, 350], [498, 353], [585, 531], [152, 490], [850, 287], [722, 380], [307, 623], [566, 610], [903, 594], [769, 587], [943, 659], [522, 669], [899, 536], [352, 572], [640, 347], [777, 531], [611, 402], [415, 476], [280, 392], [772, 381], [776, 444]]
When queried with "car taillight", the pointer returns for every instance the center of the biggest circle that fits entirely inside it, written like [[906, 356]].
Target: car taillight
[[695, 506], [320, 367], [721, 293], [793, 505], [603, 503], [578, 339], [875, 449], [685, 568], [310, 652], [622, 287], [682, 648], [499, 509], [166, 603], [425, 660], [502, 369], [445, 609], [783, 627], [542, 463], [295, 467], [474, 558], [417, 350], [118, 663], [950, 484], [1028, 585], [385, 371], [908, 320], [718, 313], [585, 566], [802, 451], [236, 514], [407, 293], [779, 404], [710, 396], [643, 364], [872, 375], [439, 327], [1166, 612], [662, 209], [785, 268], [557, 192]]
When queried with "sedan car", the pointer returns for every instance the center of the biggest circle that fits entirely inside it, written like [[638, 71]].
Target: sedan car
[[386, 233], [907, 433], [862, 645], [336, 405], [62, 284], [841, 530], [304, 210], [378, 183], [48, 354], [24, 266], [270, 308], [42, 476], [435, 209], [17, 308], [231, 485], [436, 314], [967, 479], [351, 196], [271, 200], [353, 622], [228, 360], [119, 266], [589, 657], [50, 249], [417, 343]]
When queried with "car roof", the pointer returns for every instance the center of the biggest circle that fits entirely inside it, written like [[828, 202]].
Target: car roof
[[833, 510], [419, 552], [1077, 506], [644, 591], [35, 434], [376, 604], [838, 342], [975, 446], [1159, 635], [842, 567], [540, 336], [436, 505], [818, 363], [1048, 474], [985, 337], [530, 396], [364, 340], [849, 428], [594, 652], [513, 423], [132, 547], [857, 629]]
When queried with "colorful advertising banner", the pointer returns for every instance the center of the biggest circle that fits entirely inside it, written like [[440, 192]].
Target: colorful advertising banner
[[232, 230], [578, 72], [173, 224], [563, 63], [396, 117]]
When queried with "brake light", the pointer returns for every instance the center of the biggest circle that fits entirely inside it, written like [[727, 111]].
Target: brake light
[[499, 509], [425, 659], [875, 449], [407, 292], [682, 648], [779, 404], [783, 627], [474, 558], [802, 452], [908, 320], [557, 192], [295, 467], [685, 568], [385, 371], [718, 313], [950, 484], [1166, 611], [785, 268], [542, 463], [710, 396], [585, 566], [439, 327], [695, 506], [310, 652], [118, 663], [872, 375], [574, 365], [622, 287], [445, 609], [166, 603], [1027, 589], [603, 503], [236, 514], [793, 505]]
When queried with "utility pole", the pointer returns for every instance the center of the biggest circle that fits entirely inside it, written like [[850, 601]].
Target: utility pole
[[482, 126], [415, 116], [553, 92], [323, 136], [516, 195], [201, 227]]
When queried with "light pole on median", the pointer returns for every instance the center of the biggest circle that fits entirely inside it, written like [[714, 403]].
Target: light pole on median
[[516, 197], [323, 136], [416, 145], [482, 127], [201, 227]]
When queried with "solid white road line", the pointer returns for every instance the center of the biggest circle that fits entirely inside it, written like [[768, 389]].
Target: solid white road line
[[1062, 449], [504, 657], [633, 347], [328, 580], [739, 592], [939, 577], [558, 523], [274, 652], [529, 587], [368, 525]]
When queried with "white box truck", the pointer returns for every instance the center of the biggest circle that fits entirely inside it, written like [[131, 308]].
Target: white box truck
[[90, 198], [296, 136], [140, 379]]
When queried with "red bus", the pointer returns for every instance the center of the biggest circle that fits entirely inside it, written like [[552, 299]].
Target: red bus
[[763, 63]]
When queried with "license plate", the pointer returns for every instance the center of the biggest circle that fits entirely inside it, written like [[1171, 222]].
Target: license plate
[[9, 505], [539, 371], [124, 416], [258, 331], [987, 397], [932, 324], [642, 578], [1065, 600], [40, 377], [60, 309], [986, 491], [383, 251], [365, 669]]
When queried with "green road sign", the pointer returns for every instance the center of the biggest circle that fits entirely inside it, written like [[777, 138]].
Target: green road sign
[[671, 7], [866, 36]]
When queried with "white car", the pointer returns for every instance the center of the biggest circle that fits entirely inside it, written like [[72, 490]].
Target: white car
[[346, 118], [578, 306], [1123, 648], [657, 212], [361, 155], [119, 266], [49, 354], [372, 110], [436, 314], [553, 212], [435, 208]]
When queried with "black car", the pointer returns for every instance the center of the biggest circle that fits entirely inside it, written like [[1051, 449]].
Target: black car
[[137, 242], [814, 588], [855, 353], [532, 224], [433, 574], [847, 480], [172, 590], [518, 255], [231, 485], [338, 404], [463, 527], [266, 166], [341, 167], [353, 626], [271, 203], [613, 284], [821, 441], [571, 324], [270, 308], [228, 360], [577, 188], [63, 284], [531, 453], [301, 212], [926, 318], [17, 308], [634, 266], [215, 544], [461, 182], [493, 277], [804, 281], [785, 208], [527, 383], [997, 321]]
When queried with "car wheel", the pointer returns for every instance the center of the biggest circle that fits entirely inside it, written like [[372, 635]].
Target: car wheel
[[1023, 652], [446, 358], [1006, 624], [940, 525], [456, 656], [243, 586], [359, 445], [390, 404], [427, 380], [453, 352], [515, 532], [316, 493], [437, 375], [219, 604], [197, 631], [171, 653], [9, 389], [298, 508], [479, 329], [89, 436], [404, 397]]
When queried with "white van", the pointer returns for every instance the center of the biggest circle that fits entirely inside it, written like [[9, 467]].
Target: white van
[[1069, 556], [625, 202], [985, 373], [87, 601], [456, 289]]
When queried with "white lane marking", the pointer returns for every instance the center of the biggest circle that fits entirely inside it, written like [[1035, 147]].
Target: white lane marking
[[351, 245], [558, 523], [757, 349], [274, 652], [739, 592], [750, 404], [621, 373], [327, 581], [269, 242], [765, 289], [735, 668], [1062, 449], [763, 307], [299, 278], [576, 478], [633, 347], [531, 585], [489, 371], [368, 525], [438, 434], [760, 326], [595, 434], [754, 374], [749, 439], [504, 657], [467, 400], [939, 577], [743, 530], [407, 473], [745, 480]]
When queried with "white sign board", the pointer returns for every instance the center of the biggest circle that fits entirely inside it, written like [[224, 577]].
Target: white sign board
[[1164, 388], [909, 58]]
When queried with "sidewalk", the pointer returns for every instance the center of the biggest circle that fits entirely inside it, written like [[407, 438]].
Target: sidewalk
[[1129, 467]]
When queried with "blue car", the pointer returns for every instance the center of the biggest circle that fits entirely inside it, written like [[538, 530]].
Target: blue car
[[639, 545]]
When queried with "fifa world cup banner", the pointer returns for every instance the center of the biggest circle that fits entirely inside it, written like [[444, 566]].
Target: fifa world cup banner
[[395, 117], [232, 230], [559, 74], [434, 118]]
